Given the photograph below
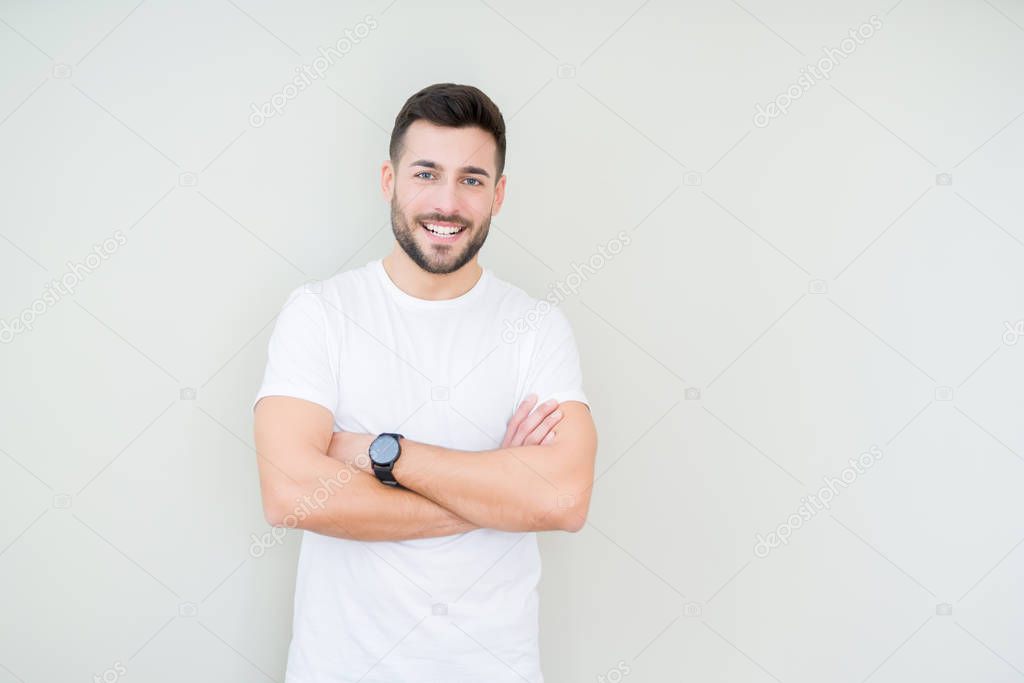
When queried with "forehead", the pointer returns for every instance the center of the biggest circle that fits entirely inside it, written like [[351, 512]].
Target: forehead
[[449, 147]]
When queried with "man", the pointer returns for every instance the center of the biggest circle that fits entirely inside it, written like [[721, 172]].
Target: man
[[420, 559]]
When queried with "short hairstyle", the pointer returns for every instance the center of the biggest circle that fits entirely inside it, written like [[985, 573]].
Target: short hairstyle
[[454, 106]]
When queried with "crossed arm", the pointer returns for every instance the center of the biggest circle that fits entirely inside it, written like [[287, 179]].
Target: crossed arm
[[318, 480]]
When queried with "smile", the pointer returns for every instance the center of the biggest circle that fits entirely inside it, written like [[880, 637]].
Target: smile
[[443, 232]]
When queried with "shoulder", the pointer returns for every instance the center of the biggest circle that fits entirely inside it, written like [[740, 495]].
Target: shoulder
[[524, 315], [319, 304], [350, 283], [342, 291]]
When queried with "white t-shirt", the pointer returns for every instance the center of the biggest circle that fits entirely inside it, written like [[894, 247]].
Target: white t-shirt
[[456, 608]]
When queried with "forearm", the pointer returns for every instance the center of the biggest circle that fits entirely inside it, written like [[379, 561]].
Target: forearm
[[338, 499], [526, 488]]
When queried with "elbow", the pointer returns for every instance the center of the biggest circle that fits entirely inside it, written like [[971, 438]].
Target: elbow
[[573, 521], [273, 512], [572, 512], [277, 513], [569, 519], [285, 503]]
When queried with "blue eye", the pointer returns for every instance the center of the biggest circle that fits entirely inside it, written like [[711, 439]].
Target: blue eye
[[421, 173], [475, 181]]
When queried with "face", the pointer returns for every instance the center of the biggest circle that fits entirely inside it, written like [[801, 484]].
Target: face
[[444, 191]]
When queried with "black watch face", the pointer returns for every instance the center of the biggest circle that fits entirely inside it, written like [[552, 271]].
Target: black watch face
[[384, 450]]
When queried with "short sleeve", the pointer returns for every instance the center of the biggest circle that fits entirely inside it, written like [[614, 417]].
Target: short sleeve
[[554, 370], [299, 353]]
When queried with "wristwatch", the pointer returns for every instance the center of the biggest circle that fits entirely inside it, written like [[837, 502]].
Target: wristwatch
[[384, 453]]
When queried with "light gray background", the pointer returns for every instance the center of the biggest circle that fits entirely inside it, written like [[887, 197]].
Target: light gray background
[[792, 295]]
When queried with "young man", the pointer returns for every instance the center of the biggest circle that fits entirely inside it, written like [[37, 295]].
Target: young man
[[396, 426]]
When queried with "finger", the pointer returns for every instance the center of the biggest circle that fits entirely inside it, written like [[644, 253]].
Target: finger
[[548, 439], [541, 430], [513, 424], [540, 413], [522, 411]]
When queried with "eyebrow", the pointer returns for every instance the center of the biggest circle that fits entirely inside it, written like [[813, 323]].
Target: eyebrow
[[475, 170]]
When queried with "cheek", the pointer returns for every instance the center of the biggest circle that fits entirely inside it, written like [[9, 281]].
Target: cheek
[[410, 213], [480, 209]]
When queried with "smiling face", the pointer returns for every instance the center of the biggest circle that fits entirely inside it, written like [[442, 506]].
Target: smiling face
[[444, 191]]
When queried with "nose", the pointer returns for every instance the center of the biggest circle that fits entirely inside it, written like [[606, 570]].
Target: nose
[[446, 198]]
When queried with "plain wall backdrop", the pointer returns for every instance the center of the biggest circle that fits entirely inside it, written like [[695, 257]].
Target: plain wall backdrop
[[815, 209]]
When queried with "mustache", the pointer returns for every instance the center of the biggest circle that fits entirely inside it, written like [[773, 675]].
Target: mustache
[[435, 218]]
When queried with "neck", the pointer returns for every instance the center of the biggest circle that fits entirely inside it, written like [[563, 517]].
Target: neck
[[415, 281]]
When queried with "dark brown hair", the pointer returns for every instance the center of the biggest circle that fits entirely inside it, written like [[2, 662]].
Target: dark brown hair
[[455, 106]]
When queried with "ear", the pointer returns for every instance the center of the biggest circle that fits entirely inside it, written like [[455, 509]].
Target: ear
[[387, 180], [499, 195]]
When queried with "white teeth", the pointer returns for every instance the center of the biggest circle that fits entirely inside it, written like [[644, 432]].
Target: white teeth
[[441, 229]]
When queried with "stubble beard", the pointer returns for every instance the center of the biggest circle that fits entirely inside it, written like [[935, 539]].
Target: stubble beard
[[438, 259]]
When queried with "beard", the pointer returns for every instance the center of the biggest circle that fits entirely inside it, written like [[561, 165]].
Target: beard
[[439, 259]]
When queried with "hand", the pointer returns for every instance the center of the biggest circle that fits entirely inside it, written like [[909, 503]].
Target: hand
[[351, 448], [530, 429]]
